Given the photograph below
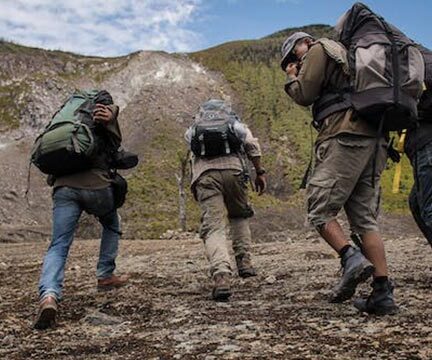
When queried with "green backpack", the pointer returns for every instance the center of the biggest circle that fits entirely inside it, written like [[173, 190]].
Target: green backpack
[[67, 144]]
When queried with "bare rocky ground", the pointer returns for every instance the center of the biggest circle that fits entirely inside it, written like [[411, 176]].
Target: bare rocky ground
[[166, 311]]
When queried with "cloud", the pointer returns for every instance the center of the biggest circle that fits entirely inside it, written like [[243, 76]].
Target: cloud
[[101, 27]]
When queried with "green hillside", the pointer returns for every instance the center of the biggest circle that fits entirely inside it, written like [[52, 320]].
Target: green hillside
[[253, 72], [252, 68]]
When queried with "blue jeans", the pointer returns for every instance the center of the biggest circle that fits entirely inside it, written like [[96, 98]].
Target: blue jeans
[[68, 204], [420, 199]]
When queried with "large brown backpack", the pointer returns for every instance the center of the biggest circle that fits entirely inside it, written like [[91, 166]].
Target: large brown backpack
[[386, 72], [425, 103]]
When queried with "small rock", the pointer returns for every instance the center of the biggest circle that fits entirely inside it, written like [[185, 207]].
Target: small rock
[[228, 348], [69, 67], [9, 196], [98, 318], [8, 340], [270, 279]]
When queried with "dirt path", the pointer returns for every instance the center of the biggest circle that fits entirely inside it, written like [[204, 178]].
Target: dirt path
[[166, 311]]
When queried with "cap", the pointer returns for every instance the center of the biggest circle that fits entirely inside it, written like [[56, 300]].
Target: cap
[[289, 44]]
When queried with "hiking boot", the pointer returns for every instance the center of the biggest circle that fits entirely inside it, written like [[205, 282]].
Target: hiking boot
[[112, 282], [356, 269], [380, 301], [244, 266], [47, 313], [222, 287]]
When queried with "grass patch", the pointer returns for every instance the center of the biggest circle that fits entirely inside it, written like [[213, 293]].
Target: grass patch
[[10, 104]]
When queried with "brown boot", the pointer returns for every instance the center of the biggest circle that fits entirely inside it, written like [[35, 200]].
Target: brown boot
[[222, 287], [112, 282], [244, 266], [47, 313]]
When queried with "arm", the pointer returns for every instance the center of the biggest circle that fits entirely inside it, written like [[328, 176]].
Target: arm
[[253, 152], [260, 179], [107, 115], [306, 86], [251, 144], [188, 135]]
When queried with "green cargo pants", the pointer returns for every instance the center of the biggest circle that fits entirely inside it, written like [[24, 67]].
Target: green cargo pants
[[342, 178], [217, 190]]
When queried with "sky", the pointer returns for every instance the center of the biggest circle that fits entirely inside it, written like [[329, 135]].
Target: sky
[[119, 27]]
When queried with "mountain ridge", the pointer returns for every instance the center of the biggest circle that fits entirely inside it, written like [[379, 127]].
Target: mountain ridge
[[158, 94]]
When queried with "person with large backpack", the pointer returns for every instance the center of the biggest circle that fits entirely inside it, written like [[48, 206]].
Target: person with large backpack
[[359, 88], [418, 147], [80, 150], [221, 145]]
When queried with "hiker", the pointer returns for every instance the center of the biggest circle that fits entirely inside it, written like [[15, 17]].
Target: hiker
[[91, 190], [342, 175], [221, 145], [418, 147], [358, 95]]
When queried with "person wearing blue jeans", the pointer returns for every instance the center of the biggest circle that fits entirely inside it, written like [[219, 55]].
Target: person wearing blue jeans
[[90, 191], [68, 205]]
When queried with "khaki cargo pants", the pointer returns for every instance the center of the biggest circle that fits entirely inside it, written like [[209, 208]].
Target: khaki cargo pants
[[217, 191], [342, 178]]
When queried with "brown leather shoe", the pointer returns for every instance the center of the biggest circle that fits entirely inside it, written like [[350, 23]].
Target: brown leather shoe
[[222, 287], [244, 266], [47, 313], [112, 282]]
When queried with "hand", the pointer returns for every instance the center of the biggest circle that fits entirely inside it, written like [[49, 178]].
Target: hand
[[102, 114], [260, 184], [292, 69]]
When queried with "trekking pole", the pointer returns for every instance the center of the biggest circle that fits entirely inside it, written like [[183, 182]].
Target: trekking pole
[[28, 184]]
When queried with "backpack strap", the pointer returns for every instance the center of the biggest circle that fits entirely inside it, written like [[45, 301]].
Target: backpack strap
[[329, 104], [333, 100], [337, 52]]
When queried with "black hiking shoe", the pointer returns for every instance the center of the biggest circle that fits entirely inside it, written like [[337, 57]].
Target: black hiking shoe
[[222, 287], [356, 269], [244, 266], [380, 301]]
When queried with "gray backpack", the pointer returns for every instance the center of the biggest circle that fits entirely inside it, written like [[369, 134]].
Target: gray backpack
[[214, 130], [386, 72]]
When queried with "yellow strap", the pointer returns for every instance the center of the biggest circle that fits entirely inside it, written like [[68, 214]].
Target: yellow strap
[[401, 142], [397, 178]]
